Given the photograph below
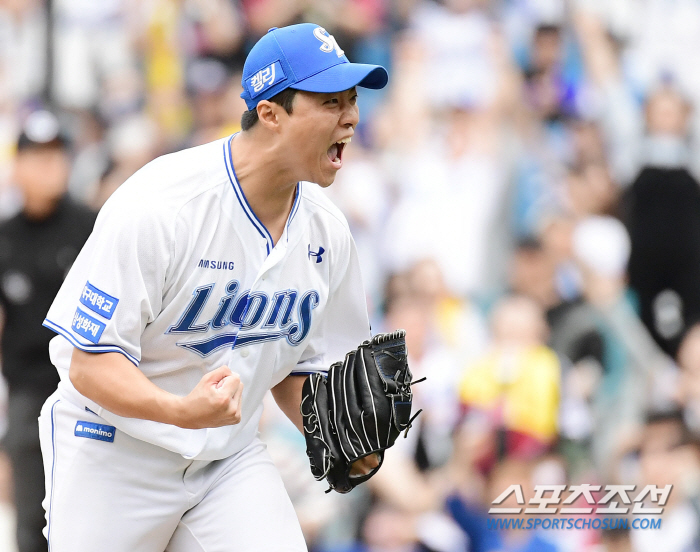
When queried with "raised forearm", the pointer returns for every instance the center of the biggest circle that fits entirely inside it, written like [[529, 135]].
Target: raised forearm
[[113, 382]]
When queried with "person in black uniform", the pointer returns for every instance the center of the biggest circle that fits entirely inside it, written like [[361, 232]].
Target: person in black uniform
[[37, 247], [661, 210]]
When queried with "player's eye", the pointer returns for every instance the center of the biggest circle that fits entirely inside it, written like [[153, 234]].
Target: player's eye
[[332, 101]]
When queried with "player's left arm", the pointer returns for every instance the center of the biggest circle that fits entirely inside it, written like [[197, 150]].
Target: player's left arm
[[287, 395]]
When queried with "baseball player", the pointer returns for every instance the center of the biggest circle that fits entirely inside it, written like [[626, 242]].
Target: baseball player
[[212, 275]]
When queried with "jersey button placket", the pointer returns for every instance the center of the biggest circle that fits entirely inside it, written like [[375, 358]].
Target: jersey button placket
[[245, 353]]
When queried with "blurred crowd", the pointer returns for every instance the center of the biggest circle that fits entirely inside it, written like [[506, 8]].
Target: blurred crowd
[[524, 197]]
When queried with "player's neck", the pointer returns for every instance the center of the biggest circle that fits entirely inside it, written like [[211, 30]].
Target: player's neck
[[269, 187]]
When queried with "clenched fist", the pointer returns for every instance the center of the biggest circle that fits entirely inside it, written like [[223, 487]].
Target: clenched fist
[[214, 402]]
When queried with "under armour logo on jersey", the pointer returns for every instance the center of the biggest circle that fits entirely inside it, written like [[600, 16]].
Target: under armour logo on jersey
[[329, 43], [316, 254]]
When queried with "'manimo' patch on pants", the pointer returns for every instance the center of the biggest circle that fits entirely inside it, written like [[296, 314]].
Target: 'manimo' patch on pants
[[100, 432]]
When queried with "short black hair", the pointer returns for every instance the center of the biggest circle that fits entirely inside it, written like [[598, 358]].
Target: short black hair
[[673, 414], [284, 98], [529, 243], [548, 28]]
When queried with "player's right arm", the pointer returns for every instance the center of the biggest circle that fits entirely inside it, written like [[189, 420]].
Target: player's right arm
[[114, 383]]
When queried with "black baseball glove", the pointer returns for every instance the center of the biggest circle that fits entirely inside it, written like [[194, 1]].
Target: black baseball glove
[[359, 409]]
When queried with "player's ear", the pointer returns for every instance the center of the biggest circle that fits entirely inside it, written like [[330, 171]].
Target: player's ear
[[268, 114]]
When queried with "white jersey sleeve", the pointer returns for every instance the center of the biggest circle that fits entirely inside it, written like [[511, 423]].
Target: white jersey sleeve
[[115, 286]]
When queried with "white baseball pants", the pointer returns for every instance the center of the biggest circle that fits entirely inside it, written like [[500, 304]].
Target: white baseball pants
[[110, 492]]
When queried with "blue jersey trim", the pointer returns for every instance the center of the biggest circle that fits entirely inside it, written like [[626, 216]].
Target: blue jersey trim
[[259, 226], [86, 347], [53, 471], [295, 207], [308, 372]]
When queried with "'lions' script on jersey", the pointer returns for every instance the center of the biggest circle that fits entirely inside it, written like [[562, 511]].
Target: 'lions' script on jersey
[[181, 277]]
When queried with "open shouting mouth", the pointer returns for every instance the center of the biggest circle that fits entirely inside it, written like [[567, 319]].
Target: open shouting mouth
[[335, 152]]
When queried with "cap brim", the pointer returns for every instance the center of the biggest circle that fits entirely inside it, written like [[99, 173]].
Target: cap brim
[[343, 77]]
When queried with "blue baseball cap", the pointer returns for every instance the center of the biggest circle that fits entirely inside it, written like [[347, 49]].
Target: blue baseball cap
[[304, 57]]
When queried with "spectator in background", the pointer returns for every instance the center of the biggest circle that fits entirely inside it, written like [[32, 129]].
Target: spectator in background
[[465, 479], [668, 457], [517, 381], [457, 323], [573, 333], [689, 380], [616, 540], [590, 190], [135, 141], [471, 517], [94, 61], [549, 89], [458, 38], [655, 151], [175, 37], [264, 14], [632, 361], [37, 247], [456, 181], [575, 336], [662, 213], [206, 83], [22, 50], [215, 98]]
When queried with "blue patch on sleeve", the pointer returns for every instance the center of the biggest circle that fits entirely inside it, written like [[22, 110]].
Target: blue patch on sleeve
[[85, 325], [90, 430], [98, 301], [265, 78]]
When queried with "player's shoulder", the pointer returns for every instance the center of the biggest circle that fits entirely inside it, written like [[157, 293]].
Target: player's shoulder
[[168, 182], [318, 204], [151, 200]]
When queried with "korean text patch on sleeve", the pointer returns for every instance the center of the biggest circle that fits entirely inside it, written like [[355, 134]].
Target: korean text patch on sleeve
[[86, 326], [98, 301]]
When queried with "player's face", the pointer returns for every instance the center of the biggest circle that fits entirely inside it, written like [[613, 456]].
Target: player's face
[[317, 132]]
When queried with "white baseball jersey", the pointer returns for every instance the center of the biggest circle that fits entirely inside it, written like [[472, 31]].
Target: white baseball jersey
[[181, 277]]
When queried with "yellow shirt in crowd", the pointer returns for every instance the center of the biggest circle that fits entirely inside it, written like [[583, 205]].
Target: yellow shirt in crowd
[[524, 385]]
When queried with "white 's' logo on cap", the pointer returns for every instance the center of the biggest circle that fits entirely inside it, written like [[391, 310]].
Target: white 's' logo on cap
[[329, 43]]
